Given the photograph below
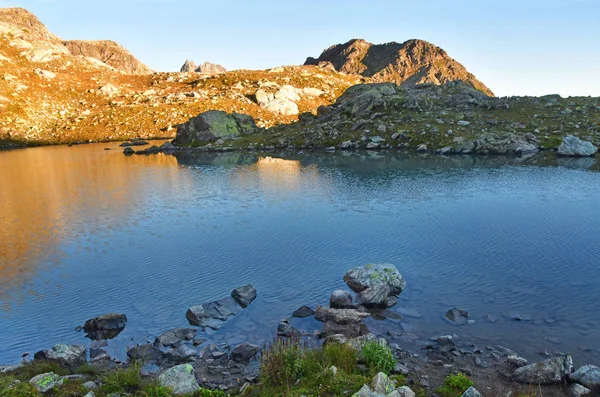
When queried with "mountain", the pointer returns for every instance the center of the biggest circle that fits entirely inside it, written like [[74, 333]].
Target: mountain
[[410, 63], [110, 53], [96, 91], [205, 68]]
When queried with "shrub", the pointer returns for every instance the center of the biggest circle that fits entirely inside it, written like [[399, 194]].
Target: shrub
[[377, 357], [154, 389], [11, 387], [454, 385], [282, 363], [127, 380]]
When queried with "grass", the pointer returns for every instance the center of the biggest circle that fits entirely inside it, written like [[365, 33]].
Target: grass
[[377, 357], [454, 385]]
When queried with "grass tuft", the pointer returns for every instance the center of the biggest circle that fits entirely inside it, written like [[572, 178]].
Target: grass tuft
[[454, 385]]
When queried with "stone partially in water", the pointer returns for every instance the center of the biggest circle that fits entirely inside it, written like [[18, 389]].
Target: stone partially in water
[[374, 283], [106, 326], [244, 353], [174, 336], [180, 379], [147, 354], [553, 370], [71, 356], [213, 314], [340, 299], [303, 312], [244, 295]]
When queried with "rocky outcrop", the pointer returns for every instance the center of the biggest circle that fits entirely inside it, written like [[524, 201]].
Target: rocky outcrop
[[410, 63], [282, 101], [573, 146], [212, 125], [205, 68], [376, 285], [71, 356], [110, 53], [553, 370]]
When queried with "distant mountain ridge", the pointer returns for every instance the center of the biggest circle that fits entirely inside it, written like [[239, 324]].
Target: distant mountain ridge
[[410, 63], [110, 53]]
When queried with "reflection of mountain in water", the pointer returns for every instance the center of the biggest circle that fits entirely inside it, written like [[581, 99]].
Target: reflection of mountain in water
[[49, 194]]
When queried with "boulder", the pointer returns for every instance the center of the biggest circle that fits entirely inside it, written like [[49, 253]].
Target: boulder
[[244, 352], [213, 314], [284, 328], [128, 151], [576, 390], [282, 101], [573, 146], [471, 392], [244, 295], [303, 312], [507, 143], [382, 384], [179, 355], [375, 283], [340, 316], [360, 100], [457, 316], [180, 379], [588, 376], [71, 356], [106, 326], [147, 354], [213, 125], [46, 382], [552, 370], [340, 299], [175, 336]]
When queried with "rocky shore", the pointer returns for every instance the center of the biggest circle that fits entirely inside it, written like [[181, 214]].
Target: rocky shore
[[184, 361]]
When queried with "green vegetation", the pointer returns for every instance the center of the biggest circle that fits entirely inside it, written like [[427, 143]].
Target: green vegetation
[[377, 357], [454, 385]]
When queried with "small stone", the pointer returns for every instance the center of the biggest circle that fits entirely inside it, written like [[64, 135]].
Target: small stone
[[90, 385], [46, 382], [471, 392], [576, 390]]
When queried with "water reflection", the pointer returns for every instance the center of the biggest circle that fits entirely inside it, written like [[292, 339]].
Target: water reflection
[[49, 194]]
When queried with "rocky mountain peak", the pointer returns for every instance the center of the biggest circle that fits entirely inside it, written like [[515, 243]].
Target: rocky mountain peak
[[23, 19], [110, 53], [410, 63], [205, 68]]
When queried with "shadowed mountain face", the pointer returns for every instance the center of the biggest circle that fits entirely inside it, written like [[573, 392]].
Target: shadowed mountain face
[[110, 53], [409, 63]]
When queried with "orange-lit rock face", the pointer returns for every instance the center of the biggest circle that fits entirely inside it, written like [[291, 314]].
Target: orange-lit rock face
[[44, 193]]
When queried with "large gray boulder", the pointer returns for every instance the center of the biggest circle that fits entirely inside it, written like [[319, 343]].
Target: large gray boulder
[[588, 376], [180, 379], [362, 99], [552, 370], [375, 284], [576, 390], [573, 146], [507, 143], [212, 125], [71, 356], [106, 326], [282, 101]]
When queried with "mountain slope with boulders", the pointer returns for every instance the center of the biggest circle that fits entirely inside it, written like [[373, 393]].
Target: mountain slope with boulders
[[110, 53], [410, 63], [54, 94]]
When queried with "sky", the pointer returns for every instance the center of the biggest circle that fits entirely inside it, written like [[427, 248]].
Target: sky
[[515, 47]]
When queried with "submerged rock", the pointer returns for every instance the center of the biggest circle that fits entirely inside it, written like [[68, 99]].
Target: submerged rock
[[106, 326], [303, 312], [457, 316], [71, 356], [180, 379], [553, 370], [573, 146]]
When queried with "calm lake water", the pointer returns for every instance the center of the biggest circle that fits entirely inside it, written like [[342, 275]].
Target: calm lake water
[[84, 231]]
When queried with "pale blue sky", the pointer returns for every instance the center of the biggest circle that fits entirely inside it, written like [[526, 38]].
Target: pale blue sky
[[515, 47]]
